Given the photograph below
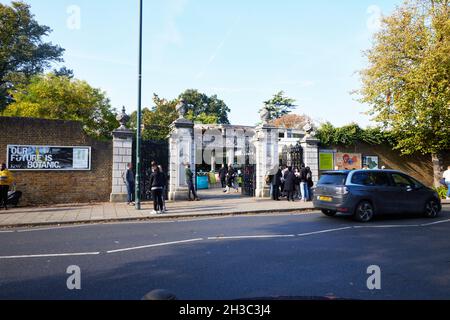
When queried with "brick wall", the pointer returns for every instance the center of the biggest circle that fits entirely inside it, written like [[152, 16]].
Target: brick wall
[[48, 187], [418, 166]]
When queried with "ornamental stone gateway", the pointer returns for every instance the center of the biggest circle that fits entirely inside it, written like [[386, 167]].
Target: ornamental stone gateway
[[211, 146]]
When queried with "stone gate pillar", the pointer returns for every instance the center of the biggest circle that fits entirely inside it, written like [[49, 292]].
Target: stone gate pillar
[[267, 157], [122, 155], [310, 145], [181, 152]]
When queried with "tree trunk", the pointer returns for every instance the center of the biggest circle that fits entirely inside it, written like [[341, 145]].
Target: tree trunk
[[436, 159]]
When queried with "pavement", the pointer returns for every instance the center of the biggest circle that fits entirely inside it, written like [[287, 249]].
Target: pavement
[[293, 256], [214, 203]]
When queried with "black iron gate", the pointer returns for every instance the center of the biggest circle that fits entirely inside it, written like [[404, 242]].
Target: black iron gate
[[249, 171], [292, 156], [151, 151]]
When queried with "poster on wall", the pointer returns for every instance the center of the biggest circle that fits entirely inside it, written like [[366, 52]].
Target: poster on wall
[[326, 161], [48, 158], [371, 162], [348, 161]]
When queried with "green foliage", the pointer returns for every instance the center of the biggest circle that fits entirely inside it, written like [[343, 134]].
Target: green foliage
[[23, 53], [407, 82], [156, 121], [349, 135], [205, 109], [442, 192], [53, 97], [279, 106]]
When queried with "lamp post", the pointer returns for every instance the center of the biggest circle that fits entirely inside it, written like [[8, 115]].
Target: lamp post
[[139, 111]]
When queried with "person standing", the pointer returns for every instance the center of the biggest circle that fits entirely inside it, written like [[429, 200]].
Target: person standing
[[230, 179], [309, 182], [190, 182], [164, 189], [276, 183], [128, 179], [289, 184], [304, 183], [157, 183], [446, 177], [6, 180], [223, 176]]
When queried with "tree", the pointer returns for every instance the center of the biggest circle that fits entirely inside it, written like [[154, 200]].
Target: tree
[[279, 106], [59, 97], [204, 109], [407, 82], [291, 121], [156, 121], [23, 53]]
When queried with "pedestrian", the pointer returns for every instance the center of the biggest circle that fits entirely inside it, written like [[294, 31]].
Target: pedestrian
[[304, 183], [289, 184], [297, 194], [6, 180], [190, 182], [128, 179], [309, 182], [157, 184], [276, 183], [283, 172], [223, 176], [446, 177], [164, 188], [231, 175]]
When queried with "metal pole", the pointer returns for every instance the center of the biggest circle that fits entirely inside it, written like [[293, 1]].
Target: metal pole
[[139, 114]]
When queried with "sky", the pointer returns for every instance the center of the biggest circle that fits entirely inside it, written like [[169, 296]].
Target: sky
[[243, 51]]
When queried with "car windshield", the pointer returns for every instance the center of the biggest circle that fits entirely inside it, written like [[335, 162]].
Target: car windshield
[[337, 179]]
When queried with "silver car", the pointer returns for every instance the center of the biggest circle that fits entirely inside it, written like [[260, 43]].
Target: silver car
[[366, 193]]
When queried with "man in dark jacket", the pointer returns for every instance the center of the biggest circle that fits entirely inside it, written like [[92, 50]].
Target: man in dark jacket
[[289, 184], [276, 183], [190, 183], [128, 179], [223, 176], [157, 183]]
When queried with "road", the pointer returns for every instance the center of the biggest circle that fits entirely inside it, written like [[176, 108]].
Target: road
[[231, 258]]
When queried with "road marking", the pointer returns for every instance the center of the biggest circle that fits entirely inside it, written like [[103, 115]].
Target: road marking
[[388, 226], [7, 231], [252, 237], [51, 255], [323, 231], [435, 223], [155, 245]]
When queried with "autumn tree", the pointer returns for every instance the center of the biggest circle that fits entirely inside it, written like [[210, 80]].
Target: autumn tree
[[407, 81], [291, 121], [60, 97]]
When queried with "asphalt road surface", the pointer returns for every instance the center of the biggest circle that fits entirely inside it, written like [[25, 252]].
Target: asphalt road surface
[[242, 257]]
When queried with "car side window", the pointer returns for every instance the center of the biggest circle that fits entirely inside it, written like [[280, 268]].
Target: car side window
[[363, 179], [401, 180], [381, 179]]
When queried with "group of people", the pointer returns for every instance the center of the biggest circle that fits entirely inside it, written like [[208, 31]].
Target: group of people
[[292, 184], [228, 177], [158, 184]]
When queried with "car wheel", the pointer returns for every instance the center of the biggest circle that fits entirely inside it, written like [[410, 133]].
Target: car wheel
[[364, 211], [329, 213], [432, 208]]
